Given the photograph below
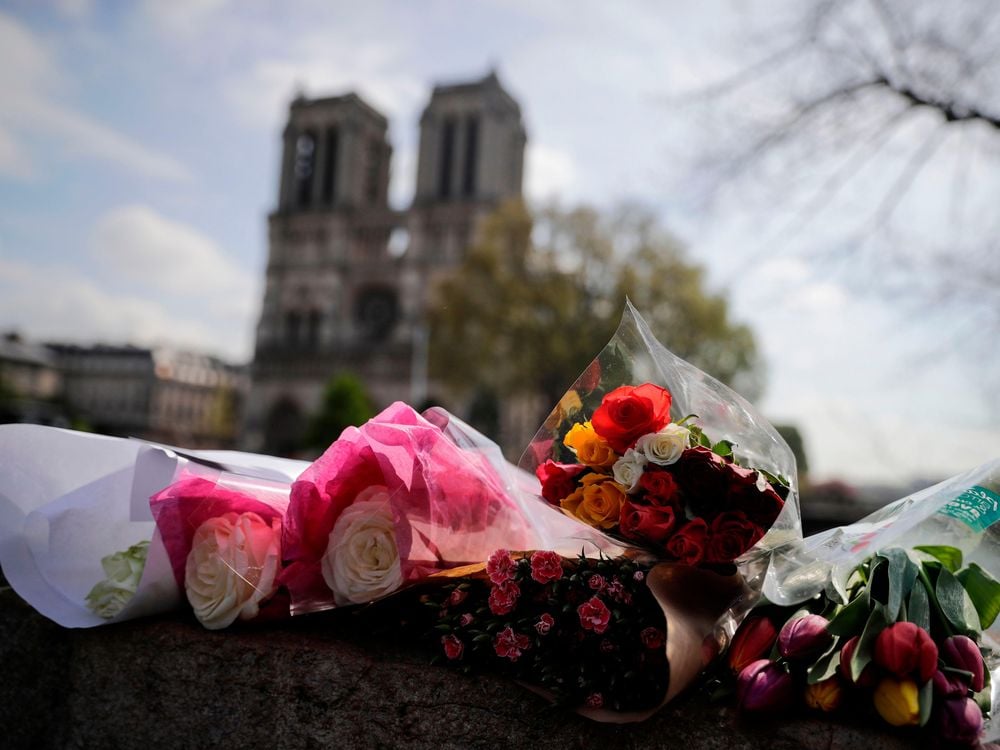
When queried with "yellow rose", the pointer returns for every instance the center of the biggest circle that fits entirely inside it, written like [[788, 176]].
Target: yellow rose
[[590, 448], [825, 695], [568, 405], [898, 702], [596, 502]]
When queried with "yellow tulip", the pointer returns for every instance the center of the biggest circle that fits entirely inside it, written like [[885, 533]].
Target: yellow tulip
[[898, 702], [824, 696]]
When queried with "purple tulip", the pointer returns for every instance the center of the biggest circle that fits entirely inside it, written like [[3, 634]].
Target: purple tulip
[[950, 684], [764, 687], [960, 721], [962, 652], [804, 637]]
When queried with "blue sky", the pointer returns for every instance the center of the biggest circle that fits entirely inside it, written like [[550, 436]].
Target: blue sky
[[138, 160]]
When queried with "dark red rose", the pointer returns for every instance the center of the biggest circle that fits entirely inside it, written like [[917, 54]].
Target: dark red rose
[[702, 477], [453, 647], [627, 413], [594, 615], [660, 487], [652, 638], [688, 544], [591, 377], [546, 566], [597, 582], [503, 597], [594, 700], [730, 535], [510, 645], [762, 506], [647, 523], [558, 480], [501, 566]]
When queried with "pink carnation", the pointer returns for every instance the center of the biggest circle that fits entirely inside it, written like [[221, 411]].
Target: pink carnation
[[503, 597], [594, 615], [501, 566], [546, 566], [544, 624], [510, 645], [595, 700], [453, 647]]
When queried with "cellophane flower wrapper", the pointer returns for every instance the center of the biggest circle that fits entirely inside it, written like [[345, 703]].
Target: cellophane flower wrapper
[[68, 499], [450, 497], [961, 512], [703, 607]]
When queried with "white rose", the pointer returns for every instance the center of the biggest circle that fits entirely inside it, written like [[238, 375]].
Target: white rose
[[666, 446], [231, 568], [628, 469], [123, 571], [361, 562]]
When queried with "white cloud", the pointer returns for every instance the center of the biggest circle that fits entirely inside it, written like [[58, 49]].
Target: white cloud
[[549, 173], [28, 78], [53, 302], [14, 160], [182, 17], [143, 246], [75, 8]]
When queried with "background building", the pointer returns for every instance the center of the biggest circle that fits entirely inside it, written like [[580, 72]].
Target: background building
[[347, 276]]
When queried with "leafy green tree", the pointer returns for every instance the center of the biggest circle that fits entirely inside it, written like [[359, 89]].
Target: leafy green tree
[[540, 294], [345, 404]]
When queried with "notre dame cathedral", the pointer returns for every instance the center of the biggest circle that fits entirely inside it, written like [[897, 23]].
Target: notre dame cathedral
[[347, 276]]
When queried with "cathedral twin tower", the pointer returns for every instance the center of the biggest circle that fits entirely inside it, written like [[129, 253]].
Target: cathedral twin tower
[[347, 276]]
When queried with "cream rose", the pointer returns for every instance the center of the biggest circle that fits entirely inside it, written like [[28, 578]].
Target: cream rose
[[123, 571], [628, 469], [664, 447], [231, 568], [361, 562]]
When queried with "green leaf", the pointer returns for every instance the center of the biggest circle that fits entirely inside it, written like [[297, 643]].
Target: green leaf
[[919, 607], [850, 619], [826, 665], [955, 604], [950, 557], [877, 622], [900, 577], [984, 591], [926, 699], [723, 448]]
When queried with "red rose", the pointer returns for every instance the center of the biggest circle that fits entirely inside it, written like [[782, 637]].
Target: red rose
[[594, 700], [453, 647], [510, 645], [628, 413], [558, 480], [504, 597], [501, 566], [594, 615], [546, 566], [703, 479], [730, 535], [660, 486], [688, 544], [544, 624], [646, 523], [761, 506], [597, 582], [652, 638]]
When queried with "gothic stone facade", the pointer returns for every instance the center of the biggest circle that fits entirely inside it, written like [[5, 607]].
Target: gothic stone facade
[[347, 276]]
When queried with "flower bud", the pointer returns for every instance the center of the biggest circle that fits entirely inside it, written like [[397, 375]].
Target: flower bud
[[898, 702], [906, 650], [961, 652], [803, 637], [959, 721], [867, 676], [949, 684], [752, 641], [825, 695], [764, 687]]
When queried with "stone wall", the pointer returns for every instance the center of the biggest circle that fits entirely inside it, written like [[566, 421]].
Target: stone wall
[[323, 681]]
